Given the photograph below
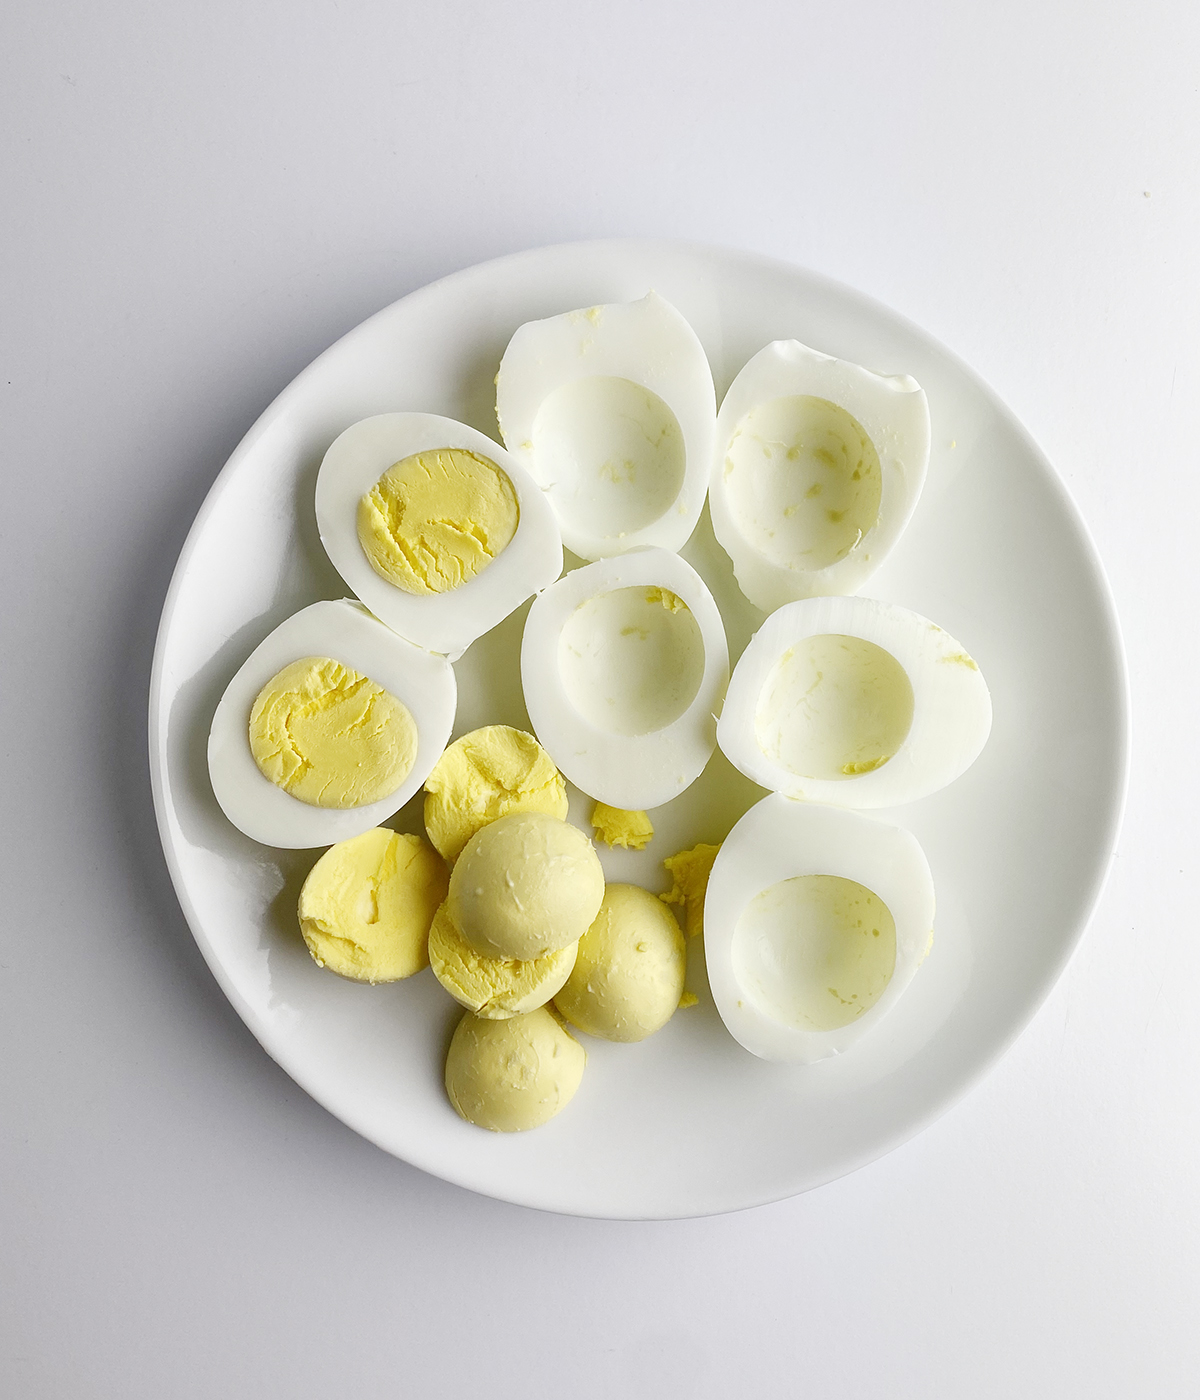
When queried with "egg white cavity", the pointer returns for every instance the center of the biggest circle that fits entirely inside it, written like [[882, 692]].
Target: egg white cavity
[[443, 622], [346, 632], [854, 702], [815, 922], [818, 466], [612, 409], [622, 691]]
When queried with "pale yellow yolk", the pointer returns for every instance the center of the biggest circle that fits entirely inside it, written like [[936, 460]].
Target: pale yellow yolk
[[494, 988], [689, 870], [515, 1074], [486, 775], [366, 907], [436, 519], [628, 976], [524, 886], [331, 737], [616, 827]]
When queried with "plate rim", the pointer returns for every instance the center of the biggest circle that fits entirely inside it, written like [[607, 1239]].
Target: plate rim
[[1120, 760]]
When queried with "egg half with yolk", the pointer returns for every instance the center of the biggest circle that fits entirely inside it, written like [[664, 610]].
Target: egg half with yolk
[[328, 728]]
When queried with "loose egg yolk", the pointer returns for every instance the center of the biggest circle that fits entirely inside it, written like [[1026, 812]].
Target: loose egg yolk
[[689, 872], [816, 951], [331, 737], [617, 827], [366, 907], [493, 988], [436, 519], [485, 775]]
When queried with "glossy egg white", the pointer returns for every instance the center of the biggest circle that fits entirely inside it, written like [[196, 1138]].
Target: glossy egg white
[[622, 693], [613, 411], [760, 970], [826, 680], [783, 504], [346, 632], [443, 622]]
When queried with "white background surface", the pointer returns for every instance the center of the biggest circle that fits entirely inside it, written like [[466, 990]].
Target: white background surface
[[197, 201]]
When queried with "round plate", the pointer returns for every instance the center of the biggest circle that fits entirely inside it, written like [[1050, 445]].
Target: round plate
[[686, 1123]]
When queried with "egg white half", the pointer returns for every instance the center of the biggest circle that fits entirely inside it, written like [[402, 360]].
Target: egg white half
[[755, 506], [783, 732], [613, 411], [778, 840], [622, 694], [444, 622], [346, 632]]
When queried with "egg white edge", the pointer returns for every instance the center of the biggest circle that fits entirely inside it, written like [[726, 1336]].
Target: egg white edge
[[894, 413], [441, 622], [952, 718], [544, 355], [686, 744], [776, 840], [423, 681]]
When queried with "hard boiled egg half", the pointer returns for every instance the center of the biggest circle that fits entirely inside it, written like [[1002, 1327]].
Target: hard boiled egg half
[[818, 465], [624, 663], [612, 409], [854, 702], [815, 921], [328, 728], [434, 526]]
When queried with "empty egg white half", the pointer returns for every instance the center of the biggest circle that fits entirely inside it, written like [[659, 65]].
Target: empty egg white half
[[613, 410], [854, 702], [622, 686], [444, 622], [815, 921], [818, 466], [345, 632]]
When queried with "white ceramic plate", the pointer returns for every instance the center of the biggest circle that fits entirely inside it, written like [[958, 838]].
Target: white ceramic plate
[[686, 1123]]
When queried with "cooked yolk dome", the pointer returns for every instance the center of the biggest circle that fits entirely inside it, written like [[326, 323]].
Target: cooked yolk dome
[[817, 950], [485, 775], [515, 1074], [331, 737], [366, 907], [494, 988], [628, 974], [524, 886], [436, 519]]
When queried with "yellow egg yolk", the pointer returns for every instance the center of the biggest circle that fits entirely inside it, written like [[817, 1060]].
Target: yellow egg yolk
[[366, 907], [331, 737], [494, 988], [486, 775], [689, 871], [616, 827], [436, 519]]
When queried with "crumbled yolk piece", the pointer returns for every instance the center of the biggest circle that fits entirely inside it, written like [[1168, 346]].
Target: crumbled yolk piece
[[436, 519], [493, 988], [331, 737], [367, 905], [485, 775], [690, 871], [616, 827]]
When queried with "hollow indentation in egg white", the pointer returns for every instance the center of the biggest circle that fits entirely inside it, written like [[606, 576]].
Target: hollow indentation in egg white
[[631, 660], [803, 481], [610, 453], [834, 707], [815, 952]]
